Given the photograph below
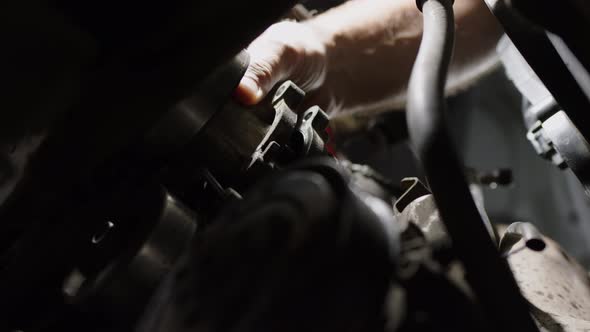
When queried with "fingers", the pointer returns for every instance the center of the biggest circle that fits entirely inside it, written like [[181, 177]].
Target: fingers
[[268, 65], [287, 50], [249, 91]]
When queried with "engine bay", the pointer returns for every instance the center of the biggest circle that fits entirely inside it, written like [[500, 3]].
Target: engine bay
[[139, 195]]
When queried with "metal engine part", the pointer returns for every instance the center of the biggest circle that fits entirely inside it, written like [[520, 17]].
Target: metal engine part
[[555, 286], [298, 247], [278, 260], [550, 130], [120, 290], [233, 143], [558, 139], [549, 64]]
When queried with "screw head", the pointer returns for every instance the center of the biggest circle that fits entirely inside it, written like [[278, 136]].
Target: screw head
[[103, 232]]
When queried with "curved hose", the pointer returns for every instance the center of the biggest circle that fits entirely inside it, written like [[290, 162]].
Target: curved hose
[[488, 274]]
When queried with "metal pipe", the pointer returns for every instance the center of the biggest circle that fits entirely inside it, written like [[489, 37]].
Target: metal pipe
[[488, 274]]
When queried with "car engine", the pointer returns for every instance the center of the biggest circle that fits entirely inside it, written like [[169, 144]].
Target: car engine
[[138, 195]]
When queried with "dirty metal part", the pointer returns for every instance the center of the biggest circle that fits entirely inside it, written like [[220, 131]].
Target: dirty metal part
[[184, 120], [417, 206], [416, 213], [226, 144], [552, 132], [540, 111], [268, 253], [539, 103], [369, 180], [570, 144], [555, 285], [558, 140], [209, 130], [423, 213], [292, 135], [285, 102], [556, 64], [145, 66], [426, 248], [311, 135], [413, 189], [240, 143], [140, 71], [533, 239], [289, 93], [544, 146]]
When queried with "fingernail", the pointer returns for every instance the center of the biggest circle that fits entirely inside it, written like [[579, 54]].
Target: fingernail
[[250, 92]]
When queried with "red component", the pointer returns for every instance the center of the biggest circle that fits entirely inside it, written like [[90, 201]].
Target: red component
[[330, 148]]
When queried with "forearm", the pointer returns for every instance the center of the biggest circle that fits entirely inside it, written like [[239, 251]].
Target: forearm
[[371, 46]]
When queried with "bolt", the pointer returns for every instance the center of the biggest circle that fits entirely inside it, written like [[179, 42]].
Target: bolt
[[499, 177], [73, 283], [102, 233]]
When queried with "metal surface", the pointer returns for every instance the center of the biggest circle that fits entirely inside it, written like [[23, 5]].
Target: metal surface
[[372, 181], [285, 102], [570, 144], [313, 131], [540, 104], [527, 232], [558, 140], [549, 60], [278, 260], [423, 213], [412, 189], [552, 132], [121, 262], [120, 291], [555, 285], [437, 295], [177, 127], [131, 91], [569, 20], [505, 308], [544, 146], [151, 56], [240, 144]]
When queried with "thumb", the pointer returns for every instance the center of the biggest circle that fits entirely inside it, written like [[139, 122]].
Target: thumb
[[286, 50], [249, 91], [268, 66], [274, 56]]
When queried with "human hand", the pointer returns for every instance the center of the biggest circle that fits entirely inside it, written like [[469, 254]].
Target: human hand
[[286, 50]]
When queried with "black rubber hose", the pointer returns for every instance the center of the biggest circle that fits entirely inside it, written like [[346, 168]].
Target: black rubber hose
[[488, 274]]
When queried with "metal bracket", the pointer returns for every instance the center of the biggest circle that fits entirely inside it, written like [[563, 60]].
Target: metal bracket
[[413, 189]]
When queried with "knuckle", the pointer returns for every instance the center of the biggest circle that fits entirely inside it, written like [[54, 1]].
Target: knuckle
[[262, 72], [287, 50], [291, 54]]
